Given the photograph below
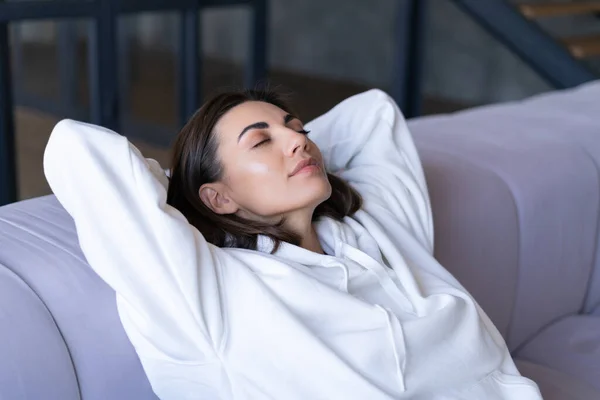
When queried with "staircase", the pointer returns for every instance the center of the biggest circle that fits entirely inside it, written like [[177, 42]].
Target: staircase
[[580, 47], [563, 61]]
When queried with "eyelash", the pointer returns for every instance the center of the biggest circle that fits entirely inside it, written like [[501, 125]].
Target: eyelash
[[303, 131]]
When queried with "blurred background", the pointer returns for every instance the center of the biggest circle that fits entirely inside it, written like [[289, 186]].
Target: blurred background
[[321, 51]]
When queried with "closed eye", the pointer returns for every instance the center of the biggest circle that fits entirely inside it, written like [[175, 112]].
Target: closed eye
[[302, 131], [261, 143]]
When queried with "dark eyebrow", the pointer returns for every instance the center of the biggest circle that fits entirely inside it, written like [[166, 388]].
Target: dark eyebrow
[[256, 125], [263, 125]]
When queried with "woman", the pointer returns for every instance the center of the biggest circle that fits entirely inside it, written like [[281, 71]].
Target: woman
[[256, 274]]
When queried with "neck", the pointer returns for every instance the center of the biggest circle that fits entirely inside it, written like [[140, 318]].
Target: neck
[[311, 242], [301, 224]]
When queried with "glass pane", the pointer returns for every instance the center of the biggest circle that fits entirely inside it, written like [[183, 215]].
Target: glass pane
[[147, 68], [48, 69], [226, 46], [34, 58]]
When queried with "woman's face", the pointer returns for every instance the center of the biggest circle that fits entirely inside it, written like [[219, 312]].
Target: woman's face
[[270, 167]]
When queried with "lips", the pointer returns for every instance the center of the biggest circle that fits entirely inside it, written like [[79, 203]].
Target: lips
[[302, 164]]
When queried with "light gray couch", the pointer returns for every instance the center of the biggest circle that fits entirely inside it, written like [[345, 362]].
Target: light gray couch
[[515, 191]]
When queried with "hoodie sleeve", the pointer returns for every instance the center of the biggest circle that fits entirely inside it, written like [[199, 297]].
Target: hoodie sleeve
[[366, 141], [165, 274]]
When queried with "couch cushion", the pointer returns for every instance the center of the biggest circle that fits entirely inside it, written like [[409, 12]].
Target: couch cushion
[[556, 385], [515, 194], [479, 247], [40, 246], [571, 345]]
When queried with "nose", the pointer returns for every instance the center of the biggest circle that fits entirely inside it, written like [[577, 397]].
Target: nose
[[297, 142]]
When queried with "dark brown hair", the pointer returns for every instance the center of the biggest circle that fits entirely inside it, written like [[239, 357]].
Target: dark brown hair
[[195, 162]]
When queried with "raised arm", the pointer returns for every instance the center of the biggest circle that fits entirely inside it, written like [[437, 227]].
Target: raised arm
[[365, 140], [162, 269]]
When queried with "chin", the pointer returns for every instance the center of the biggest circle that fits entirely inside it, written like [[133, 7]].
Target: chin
[[321, 192], [308, 193]]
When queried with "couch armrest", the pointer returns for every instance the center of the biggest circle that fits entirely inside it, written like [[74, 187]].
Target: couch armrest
[[514, 190], [35, 362], [68, 301]]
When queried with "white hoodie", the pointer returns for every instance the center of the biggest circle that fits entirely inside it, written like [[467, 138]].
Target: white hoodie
[[377, 319]]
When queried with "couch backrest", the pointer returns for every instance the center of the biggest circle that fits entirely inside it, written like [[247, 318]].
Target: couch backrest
[[515, 194]]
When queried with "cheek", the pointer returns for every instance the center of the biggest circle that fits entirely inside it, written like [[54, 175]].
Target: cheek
[[259, 173], [259, 187], [258, 169], [251, 179]]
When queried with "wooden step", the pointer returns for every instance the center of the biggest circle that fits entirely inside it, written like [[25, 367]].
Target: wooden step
[[558, 9], [583, 46]]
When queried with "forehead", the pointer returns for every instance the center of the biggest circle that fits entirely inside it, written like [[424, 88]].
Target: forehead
[[248, 113]]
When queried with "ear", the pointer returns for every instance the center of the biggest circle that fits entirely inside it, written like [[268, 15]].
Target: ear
[[214, 196]]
